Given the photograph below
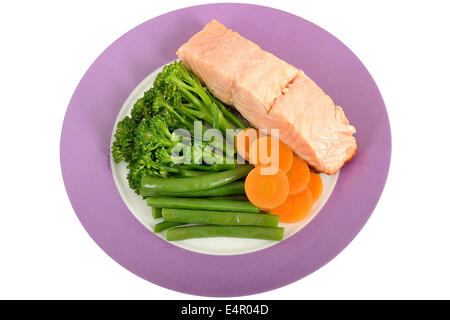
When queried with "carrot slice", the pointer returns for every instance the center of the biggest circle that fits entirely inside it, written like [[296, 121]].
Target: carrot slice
[[315, 186], [295, 208], [243, 141], [271, 151], [266, 191], [299, 176]]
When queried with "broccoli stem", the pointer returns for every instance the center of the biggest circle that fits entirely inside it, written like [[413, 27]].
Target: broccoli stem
[[230, 116]]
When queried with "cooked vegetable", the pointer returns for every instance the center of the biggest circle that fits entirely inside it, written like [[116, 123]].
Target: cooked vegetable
[[230, 116], [202, 204], [211, 168], [153, 153], [146, 138], [266, 191], [195, 100], [225, 190], [244, 140], [299, 176], [238, 197], [295, 208], [156, 213], [154, 184], [315, 186], [253, 232], [261, 153], [166, 225], [220, 218]]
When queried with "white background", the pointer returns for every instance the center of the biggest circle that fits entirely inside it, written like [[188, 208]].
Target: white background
[[45, 48]]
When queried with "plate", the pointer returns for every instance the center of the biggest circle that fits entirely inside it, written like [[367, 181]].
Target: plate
[[219, 246], [103, 91]]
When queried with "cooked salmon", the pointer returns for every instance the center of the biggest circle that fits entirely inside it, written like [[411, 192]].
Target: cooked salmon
[[271, 94]]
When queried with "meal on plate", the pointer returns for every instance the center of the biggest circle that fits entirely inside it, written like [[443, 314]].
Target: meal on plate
[[230, 141]]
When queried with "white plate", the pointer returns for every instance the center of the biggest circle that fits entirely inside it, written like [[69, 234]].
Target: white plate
[[218, 246]]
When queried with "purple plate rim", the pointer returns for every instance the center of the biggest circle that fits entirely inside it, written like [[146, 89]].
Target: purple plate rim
[[91, 114]]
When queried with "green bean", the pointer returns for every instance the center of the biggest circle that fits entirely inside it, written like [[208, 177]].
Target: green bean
[[184, 173], [220, 218], [202, 204], [214, 167], [204, 182], [190, 232], [225, 190], [237, 197], [166, 225], [156, 213]]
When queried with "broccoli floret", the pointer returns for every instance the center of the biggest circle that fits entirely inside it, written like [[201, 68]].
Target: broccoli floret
[[195, 100], [123, 147]]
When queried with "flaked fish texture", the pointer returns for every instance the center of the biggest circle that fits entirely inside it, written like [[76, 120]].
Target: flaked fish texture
[[271, 94]]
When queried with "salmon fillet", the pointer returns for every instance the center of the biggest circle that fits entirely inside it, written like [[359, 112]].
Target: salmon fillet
[[271, 94]]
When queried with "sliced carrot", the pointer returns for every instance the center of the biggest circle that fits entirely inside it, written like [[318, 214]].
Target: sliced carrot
[[295, 208], [271, 151], [266, 191], [243, 141], [299, 176], [315, 186]]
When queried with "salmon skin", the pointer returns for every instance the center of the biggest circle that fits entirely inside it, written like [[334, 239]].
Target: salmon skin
[[271, 94]]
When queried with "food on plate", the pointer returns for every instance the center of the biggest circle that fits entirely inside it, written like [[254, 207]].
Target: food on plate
[[208, 231], [197, 187], [220, 217], [145, 138], [266, 191], [164, 225], [230, 189], [298, 175], [202, 204], [198, 183], [243, 141], [269, 151], [295, 208], [315, 186], [156, 213], [271, 94]]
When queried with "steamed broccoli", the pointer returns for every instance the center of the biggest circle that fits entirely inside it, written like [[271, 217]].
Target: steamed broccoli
[[146, 139], [154, 155], [196, 102]]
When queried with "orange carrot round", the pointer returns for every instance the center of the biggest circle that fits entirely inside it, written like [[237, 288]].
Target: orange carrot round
[[315, 186], [295, 208], [243, 141], [266, 191], [299, 176], [260, 153]]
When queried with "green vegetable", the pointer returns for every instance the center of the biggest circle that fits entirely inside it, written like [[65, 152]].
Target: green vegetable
[[146, 138], [225, 190], [189, 232], [196, 102], [214, 167], [202, 204], [220, 218], [237, 197], [229, 115], [151, 184], [156, 213], [166, 225]]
